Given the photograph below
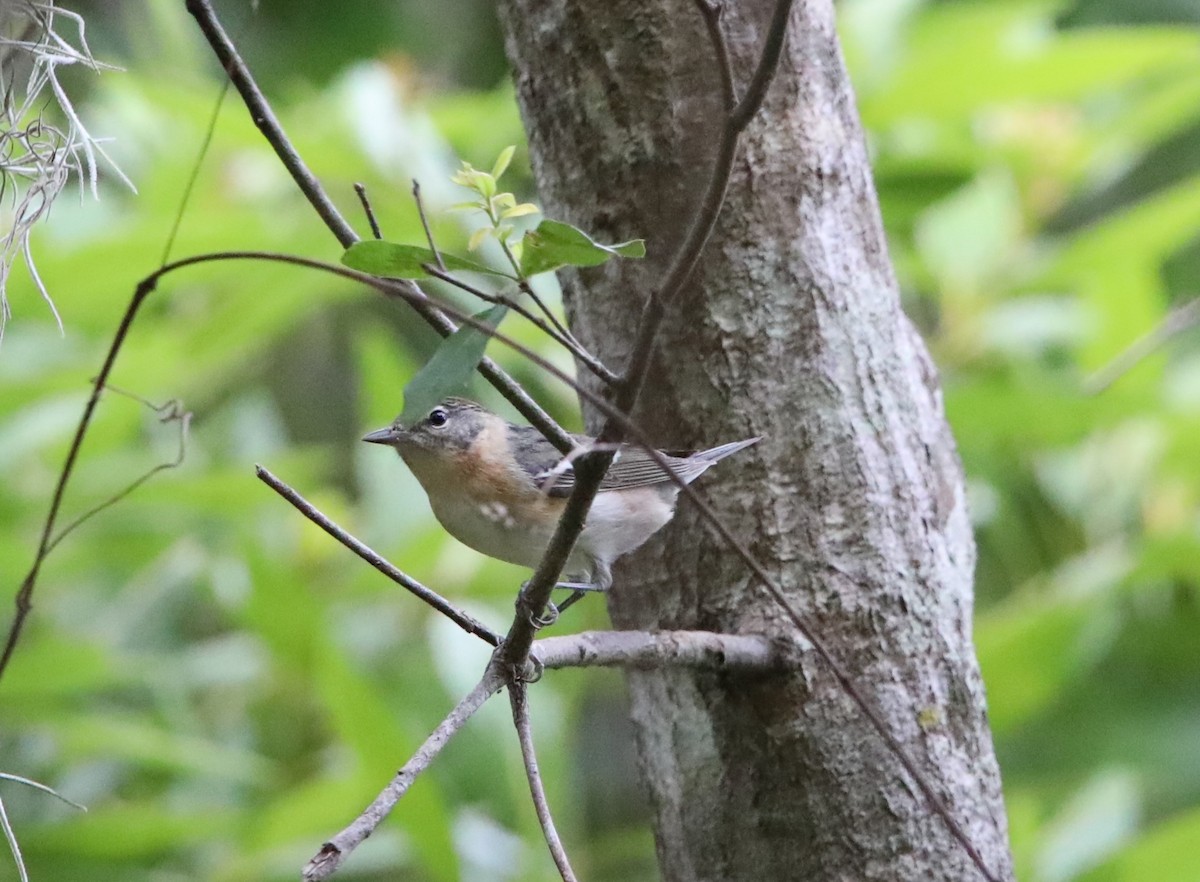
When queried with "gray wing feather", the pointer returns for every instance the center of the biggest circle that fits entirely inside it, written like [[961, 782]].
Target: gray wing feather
[[632, 467]]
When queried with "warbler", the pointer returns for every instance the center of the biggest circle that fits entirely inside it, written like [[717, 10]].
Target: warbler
[[500, 488]]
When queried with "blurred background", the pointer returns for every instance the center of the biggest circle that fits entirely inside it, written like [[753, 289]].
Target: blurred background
[[223, 686]]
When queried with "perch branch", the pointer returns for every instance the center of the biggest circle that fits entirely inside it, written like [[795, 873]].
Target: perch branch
[[745, 653], [427, 595]]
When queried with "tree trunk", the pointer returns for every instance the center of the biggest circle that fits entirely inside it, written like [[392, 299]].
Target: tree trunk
[[791, 329]]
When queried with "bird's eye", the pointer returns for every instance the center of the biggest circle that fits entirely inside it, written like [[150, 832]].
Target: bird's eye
[[438, 417]]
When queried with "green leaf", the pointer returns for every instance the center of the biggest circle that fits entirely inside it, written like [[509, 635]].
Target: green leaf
[[519, 211], [404, 261], [503, 160], [449, 368], [554, 244]]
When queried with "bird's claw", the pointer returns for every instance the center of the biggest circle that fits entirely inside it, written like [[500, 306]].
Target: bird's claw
[[548, 617]]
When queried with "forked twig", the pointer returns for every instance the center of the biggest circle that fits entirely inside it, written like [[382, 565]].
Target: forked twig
[[326, 861], [24, 598]]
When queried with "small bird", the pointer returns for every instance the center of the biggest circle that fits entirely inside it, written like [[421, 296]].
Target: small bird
[[500, 488]]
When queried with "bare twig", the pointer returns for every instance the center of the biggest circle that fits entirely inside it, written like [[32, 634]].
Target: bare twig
[[768, 64], [683, 264], [547, 311], [520, 711], [746, 653], [1177, 321], [568, 342], [468, 623], [260, 111], [326, 861], [528, 289], [361, 190], [264, 117], [194, 174], [711, 11], [14, 845], [437, 255], [172, 411]]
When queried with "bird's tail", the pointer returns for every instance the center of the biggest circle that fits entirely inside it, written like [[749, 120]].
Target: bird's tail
[[705, 458]]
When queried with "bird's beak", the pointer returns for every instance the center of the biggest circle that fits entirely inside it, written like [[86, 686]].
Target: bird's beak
[[382, 436]]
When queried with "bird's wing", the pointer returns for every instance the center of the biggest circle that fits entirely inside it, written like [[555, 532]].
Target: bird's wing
[[632, 466]]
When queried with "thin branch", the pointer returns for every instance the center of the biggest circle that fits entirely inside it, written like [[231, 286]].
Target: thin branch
[[711, 11], [520, 711], [361, 190], [593, 364], [6, 825], [547, 311], [24, 598], [14, 845], [645, 650], [768, 64], [437, 255], [194, 174], [37, 785], [264, 117], [260, 111], [1177, 321], [528, 289], [326, 861], [683, 264], [467, 622]]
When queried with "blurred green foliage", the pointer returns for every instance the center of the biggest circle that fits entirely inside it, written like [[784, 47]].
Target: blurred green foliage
[[224, 687]]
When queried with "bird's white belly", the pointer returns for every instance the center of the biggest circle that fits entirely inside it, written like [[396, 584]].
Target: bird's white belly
[[621, 521], [617, 524], [492, 529]]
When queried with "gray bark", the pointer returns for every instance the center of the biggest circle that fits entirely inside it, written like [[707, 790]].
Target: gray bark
[[792, 329]]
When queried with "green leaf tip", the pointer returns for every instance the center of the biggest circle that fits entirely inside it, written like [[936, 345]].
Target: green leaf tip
[[503, 160], [450, 367], [554, 244], [405, 261]]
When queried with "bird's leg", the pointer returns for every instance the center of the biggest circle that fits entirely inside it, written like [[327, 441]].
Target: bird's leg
[[577, 594], [601, 581]]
